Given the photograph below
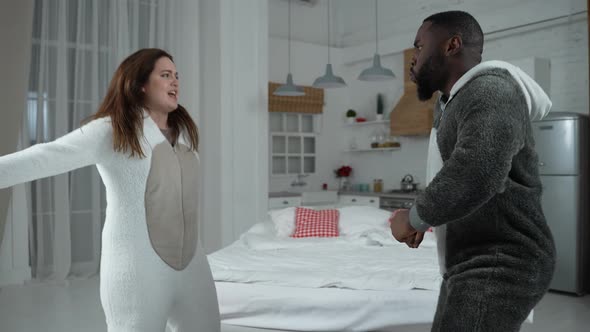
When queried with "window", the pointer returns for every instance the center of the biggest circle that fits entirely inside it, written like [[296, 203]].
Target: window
[[292, 143]]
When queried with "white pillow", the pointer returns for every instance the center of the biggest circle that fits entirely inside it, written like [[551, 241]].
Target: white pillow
[[266, 227], [284, 221], [360, 219]]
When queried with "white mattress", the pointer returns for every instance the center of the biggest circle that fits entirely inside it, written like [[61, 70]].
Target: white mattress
[[322, 309], [357, 283]]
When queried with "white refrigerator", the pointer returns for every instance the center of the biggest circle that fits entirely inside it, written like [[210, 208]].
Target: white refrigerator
[[562, 145]]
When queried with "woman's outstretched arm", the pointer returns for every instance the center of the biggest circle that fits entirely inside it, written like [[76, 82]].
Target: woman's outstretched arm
[[87, 145]]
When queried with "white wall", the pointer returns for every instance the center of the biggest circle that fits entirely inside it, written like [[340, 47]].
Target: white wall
[[233, 117], [354, 20], [562, 41], [185, 48], [210, 122], [566, 46]]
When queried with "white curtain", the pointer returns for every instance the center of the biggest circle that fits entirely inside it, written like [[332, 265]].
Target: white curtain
[[77, 45]]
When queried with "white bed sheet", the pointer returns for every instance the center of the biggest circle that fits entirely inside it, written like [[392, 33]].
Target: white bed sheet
[[330, 264], [323, 309], [358, 283]]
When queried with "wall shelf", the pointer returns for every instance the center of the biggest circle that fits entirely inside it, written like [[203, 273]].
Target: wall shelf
[[375, 122]]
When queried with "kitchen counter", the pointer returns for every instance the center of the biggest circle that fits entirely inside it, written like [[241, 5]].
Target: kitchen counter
[[381, 194], [283, 194], [351, 193]]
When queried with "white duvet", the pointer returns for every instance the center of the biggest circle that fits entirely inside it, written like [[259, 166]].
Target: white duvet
[[371, 260]]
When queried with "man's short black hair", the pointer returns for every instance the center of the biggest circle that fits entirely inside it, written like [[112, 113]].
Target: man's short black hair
[[460, 23]]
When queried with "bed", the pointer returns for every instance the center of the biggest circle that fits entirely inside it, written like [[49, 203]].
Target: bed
[[362, 280]]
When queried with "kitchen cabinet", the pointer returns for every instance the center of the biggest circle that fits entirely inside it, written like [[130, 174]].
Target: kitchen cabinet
[[347, 200], [279, 202], [283, 202]]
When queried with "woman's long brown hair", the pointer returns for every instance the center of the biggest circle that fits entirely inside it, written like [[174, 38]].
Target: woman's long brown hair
[[125, 101]]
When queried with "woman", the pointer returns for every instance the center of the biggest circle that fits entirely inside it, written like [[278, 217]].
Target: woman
[[144, 144]]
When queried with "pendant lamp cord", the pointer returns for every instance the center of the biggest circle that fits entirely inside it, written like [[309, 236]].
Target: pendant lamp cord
[[376, 29], [289, 43], [329, 31]]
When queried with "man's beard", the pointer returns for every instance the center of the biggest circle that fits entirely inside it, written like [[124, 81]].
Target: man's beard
[[431, 77]]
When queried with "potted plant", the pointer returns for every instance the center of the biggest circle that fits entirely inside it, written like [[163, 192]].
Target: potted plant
[[342, 173], [379, 116], [350, 115]]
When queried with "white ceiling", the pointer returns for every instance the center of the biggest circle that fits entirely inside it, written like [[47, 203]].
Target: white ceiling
[[353, 21]]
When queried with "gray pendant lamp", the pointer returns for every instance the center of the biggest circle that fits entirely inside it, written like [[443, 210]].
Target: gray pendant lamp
[[329, 80], [289, 89], [376, 72]]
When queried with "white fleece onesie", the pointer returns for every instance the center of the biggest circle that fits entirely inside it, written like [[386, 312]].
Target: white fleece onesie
[[153, 269]]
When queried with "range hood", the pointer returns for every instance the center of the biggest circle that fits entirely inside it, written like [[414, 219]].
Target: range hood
[[410, 116]]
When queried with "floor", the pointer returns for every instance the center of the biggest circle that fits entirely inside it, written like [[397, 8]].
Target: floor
[[74, 306]]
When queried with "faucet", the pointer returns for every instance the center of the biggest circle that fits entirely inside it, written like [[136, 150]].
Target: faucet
[[299, 182]]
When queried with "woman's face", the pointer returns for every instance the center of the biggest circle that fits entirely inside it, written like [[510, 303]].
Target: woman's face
[[161, 89]]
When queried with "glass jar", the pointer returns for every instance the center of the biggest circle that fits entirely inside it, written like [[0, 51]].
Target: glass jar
[[374, 141], [352, 144], [381, 139], [378, 185]]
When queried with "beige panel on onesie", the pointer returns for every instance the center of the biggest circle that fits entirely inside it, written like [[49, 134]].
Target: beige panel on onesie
[[171, 198]]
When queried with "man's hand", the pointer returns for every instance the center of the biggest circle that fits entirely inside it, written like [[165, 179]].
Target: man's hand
[[402, 230], [414, 242]]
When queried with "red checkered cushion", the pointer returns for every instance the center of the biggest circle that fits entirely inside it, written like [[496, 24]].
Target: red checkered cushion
[[316, 223]]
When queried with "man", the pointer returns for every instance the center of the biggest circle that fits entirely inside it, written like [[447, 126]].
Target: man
[[498, 253]]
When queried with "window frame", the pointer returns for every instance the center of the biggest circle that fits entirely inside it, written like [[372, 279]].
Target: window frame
[[299, 133]]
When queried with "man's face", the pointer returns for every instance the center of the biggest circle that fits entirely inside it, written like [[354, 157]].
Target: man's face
[[429, 65]]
